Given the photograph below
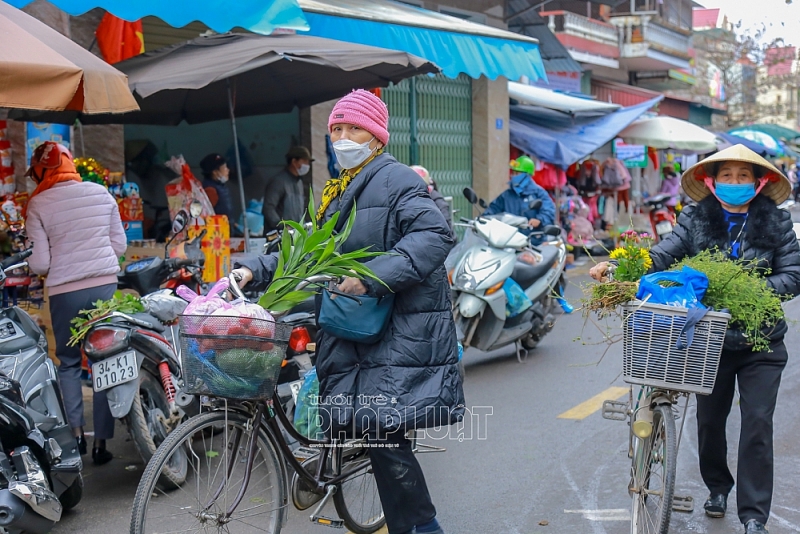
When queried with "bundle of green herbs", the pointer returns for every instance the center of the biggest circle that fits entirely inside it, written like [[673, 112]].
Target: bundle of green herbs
[[740, 288], [120, 302]]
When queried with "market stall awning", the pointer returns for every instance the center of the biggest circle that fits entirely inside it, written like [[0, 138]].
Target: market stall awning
[[775, 130], [769, 140], [546, 98], [267, 74], [759, 149], [670, 133], [454, 44], [40, 69], [258, 16], [563, 141]]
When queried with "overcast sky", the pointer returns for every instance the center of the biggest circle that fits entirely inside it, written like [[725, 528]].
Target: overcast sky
[[779, 18]]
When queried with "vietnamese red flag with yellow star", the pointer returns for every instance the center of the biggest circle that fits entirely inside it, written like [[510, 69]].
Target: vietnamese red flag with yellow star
[[119, 39]]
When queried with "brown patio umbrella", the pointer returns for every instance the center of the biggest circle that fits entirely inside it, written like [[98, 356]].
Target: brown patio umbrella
[[40, 69]]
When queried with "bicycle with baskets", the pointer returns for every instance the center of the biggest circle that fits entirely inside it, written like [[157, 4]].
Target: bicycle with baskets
[[668, 354], [239, 460]]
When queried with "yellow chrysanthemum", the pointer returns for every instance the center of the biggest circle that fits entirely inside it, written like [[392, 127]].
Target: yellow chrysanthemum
[[618, 253], [647, 261]]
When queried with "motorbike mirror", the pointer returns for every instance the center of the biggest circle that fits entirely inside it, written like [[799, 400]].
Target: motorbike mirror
[[195, 208], [551, 229], [482, 203], [535, 204], [470, 195], [179, 222]]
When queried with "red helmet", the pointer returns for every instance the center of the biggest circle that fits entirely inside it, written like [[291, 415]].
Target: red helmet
[[48, 156]]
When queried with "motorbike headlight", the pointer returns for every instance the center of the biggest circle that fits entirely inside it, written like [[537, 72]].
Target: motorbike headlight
[[103, 341], [469, 279]]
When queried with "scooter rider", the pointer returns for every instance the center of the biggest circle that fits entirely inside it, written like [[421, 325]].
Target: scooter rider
[[522, 190]]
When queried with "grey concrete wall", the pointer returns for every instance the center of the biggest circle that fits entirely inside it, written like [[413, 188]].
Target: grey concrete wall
[[490, 148]]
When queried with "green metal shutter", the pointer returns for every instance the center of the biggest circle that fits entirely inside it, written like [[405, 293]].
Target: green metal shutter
[[444, 131]]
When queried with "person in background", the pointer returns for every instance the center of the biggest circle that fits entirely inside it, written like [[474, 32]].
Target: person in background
[[522, 190], [671, 186], [284, 198], [416, 363], [77, 240], [737, 194], [215, 182], [437, 197]]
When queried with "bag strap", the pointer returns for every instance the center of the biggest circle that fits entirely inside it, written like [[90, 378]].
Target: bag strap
[[693, 316]]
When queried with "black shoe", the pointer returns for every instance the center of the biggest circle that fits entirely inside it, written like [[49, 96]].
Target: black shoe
[[81, 445], [753, 527], [716, 505], [101, 456]]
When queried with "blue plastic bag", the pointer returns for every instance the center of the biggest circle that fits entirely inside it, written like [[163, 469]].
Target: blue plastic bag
[[687, 289], [306, 410], [516, 299]]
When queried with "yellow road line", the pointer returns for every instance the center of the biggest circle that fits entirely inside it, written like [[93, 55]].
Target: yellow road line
[[587, 408]]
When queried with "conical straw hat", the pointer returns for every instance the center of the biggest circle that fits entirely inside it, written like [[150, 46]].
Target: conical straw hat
[[778, 187]]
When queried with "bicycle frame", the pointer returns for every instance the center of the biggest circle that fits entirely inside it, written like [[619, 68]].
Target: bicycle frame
[[270, 416]]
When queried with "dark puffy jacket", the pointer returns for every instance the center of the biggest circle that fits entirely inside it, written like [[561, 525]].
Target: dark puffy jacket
[[283, 200], [409, 379], [224, 204], [444, 207], [769, 238]]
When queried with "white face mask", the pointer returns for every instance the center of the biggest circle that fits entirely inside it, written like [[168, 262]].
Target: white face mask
[[350, 154], [303, 169], [222, 178]]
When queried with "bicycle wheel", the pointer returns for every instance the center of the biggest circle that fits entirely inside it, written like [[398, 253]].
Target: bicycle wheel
[[356, 499], [217, 446], [653, 476]]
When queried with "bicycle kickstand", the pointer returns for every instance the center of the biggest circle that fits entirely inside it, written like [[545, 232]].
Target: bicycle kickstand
[[325, 521]]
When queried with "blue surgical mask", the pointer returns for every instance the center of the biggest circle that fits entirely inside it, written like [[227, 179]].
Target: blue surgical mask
[[735, 194]]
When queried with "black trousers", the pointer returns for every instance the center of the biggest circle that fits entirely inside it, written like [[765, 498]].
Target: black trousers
[[759, 376], [401, 484]]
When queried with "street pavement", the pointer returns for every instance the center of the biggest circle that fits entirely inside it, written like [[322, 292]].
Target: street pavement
[[548, 462]]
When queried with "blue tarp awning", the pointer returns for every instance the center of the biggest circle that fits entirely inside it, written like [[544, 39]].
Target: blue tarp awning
[[759, 149], [562, 141], [453, 44], [258, 16]]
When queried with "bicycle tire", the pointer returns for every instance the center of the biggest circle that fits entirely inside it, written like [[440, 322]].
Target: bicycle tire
[[142, 429], [357, 490], [267, 485], [651, 507]]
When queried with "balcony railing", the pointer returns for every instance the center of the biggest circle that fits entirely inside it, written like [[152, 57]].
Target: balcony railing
[[650, 29], [578, 25]]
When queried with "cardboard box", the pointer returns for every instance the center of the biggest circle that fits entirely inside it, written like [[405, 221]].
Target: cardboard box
[[134, 230]]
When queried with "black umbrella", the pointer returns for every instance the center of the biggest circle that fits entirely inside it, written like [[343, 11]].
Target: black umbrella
[[211, 78]]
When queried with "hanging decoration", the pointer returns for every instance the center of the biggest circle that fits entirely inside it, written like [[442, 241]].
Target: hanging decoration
[[92, 171]]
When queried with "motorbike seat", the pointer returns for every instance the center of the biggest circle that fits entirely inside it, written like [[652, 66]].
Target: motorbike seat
[[307, 306], [142, 316], [525, 275]]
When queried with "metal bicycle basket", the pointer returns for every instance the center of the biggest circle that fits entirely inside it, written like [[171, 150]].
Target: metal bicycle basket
[[232, 357], [650, 353]]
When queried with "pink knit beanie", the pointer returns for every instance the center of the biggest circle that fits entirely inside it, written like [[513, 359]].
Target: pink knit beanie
[[363, 109]]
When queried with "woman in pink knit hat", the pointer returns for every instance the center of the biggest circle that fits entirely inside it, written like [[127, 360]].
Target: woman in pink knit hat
[[409, 379]]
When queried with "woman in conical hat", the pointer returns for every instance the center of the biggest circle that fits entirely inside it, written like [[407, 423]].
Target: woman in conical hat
[[737, 193]]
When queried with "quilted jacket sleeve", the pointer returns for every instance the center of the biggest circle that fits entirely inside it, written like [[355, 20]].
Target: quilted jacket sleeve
[[39, 261], [263, 267], [676, 246], [425, 237], [785, 275], [547, 213], [119, 242]]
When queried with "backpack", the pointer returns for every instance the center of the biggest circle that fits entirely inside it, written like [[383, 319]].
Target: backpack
[[611, 177]]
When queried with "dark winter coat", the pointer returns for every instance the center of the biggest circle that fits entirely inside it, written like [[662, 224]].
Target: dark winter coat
[[444, 207], [768, 238], [410, 378], [283, 200], [224, 205]]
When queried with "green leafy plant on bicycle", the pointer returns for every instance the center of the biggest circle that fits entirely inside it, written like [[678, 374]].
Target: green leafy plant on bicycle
[[304, 254], [120, 302], [633, 261]]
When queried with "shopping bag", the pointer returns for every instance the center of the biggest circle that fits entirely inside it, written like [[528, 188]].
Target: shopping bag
[[306, 410], [685, 288]]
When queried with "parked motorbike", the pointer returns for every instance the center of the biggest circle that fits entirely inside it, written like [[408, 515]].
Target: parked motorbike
[[662, 218], [40, 464], [495, 250], [135, 357]]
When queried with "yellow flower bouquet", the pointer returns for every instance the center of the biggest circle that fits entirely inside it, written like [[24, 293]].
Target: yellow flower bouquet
[[632, 259]]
